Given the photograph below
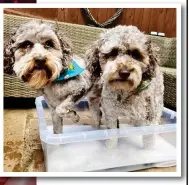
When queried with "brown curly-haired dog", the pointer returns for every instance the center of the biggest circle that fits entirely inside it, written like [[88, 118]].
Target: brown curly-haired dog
[[38, 54], [131, 84]]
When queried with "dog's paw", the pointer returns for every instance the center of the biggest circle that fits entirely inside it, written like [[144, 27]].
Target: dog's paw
[[74, 116], [111, 143], [149, 142]]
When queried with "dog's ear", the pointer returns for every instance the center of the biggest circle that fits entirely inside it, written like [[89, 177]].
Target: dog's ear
[[153, 60], [93, 62], [66, 47], [9, 55]]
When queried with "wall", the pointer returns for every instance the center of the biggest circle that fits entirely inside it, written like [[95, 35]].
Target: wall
[[146, 19]]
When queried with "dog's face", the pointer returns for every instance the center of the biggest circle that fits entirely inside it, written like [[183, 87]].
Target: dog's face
[[124, 57], [39, 53]]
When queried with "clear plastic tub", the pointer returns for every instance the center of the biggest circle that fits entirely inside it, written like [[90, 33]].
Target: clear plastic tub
[[84, 148]]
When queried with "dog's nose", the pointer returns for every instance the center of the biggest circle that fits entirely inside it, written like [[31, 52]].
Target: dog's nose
[[124, 74], [40, 61]]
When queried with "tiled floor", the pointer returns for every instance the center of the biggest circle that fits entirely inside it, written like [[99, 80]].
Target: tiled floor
[[22, 148]]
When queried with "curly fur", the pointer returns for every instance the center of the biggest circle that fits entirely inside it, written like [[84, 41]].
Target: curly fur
[[126, 58], [37, 53]]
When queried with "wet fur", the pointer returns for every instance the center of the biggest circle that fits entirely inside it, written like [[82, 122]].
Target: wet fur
[[110, 100], [60, 96]]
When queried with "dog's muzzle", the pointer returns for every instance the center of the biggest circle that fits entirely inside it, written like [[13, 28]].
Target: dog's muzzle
[[39, 72], [40, 62], [124, 74]]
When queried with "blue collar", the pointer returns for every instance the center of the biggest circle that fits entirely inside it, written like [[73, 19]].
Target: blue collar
[[73, 70]]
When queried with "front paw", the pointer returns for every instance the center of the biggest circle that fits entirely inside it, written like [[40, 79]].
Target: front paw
[[74, 116], [111, 143], [149, 142]]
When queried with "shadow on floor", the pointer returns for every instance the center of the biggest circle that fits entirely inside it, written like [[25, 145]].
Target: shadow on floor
[[26, 103]]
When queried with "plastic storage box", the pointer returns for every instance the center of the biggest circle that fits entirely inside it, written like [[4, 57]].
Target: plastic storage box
[[84, 148]]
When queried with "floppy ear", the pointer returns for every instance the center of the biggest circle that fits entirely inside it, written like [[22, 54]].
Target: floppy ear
[[9, 55], [66, 47], [153, 61], [93, 62]]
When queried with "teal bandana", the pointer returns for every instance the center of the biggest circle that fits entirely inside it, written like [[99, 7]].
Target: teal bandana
[[143, 85], [73, 70]]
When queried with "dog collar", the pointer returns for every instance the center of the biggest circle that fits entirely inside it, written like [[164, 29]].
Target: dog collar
[[143, 85], [73, 70]]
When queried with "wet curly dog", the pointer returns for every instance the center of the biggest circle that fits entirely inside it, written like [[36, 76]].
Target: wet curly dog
[[131, 84], [39, 54]]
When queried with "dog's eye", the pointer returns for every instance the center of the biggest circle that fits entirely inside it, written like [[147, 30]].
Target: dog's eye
[[26, 44], [137, 55], [114, 53], [49, 44]]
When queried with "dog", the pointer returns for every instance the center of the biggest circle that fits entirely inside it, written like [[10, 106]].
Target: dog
[[40, 55], [131, 84]]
